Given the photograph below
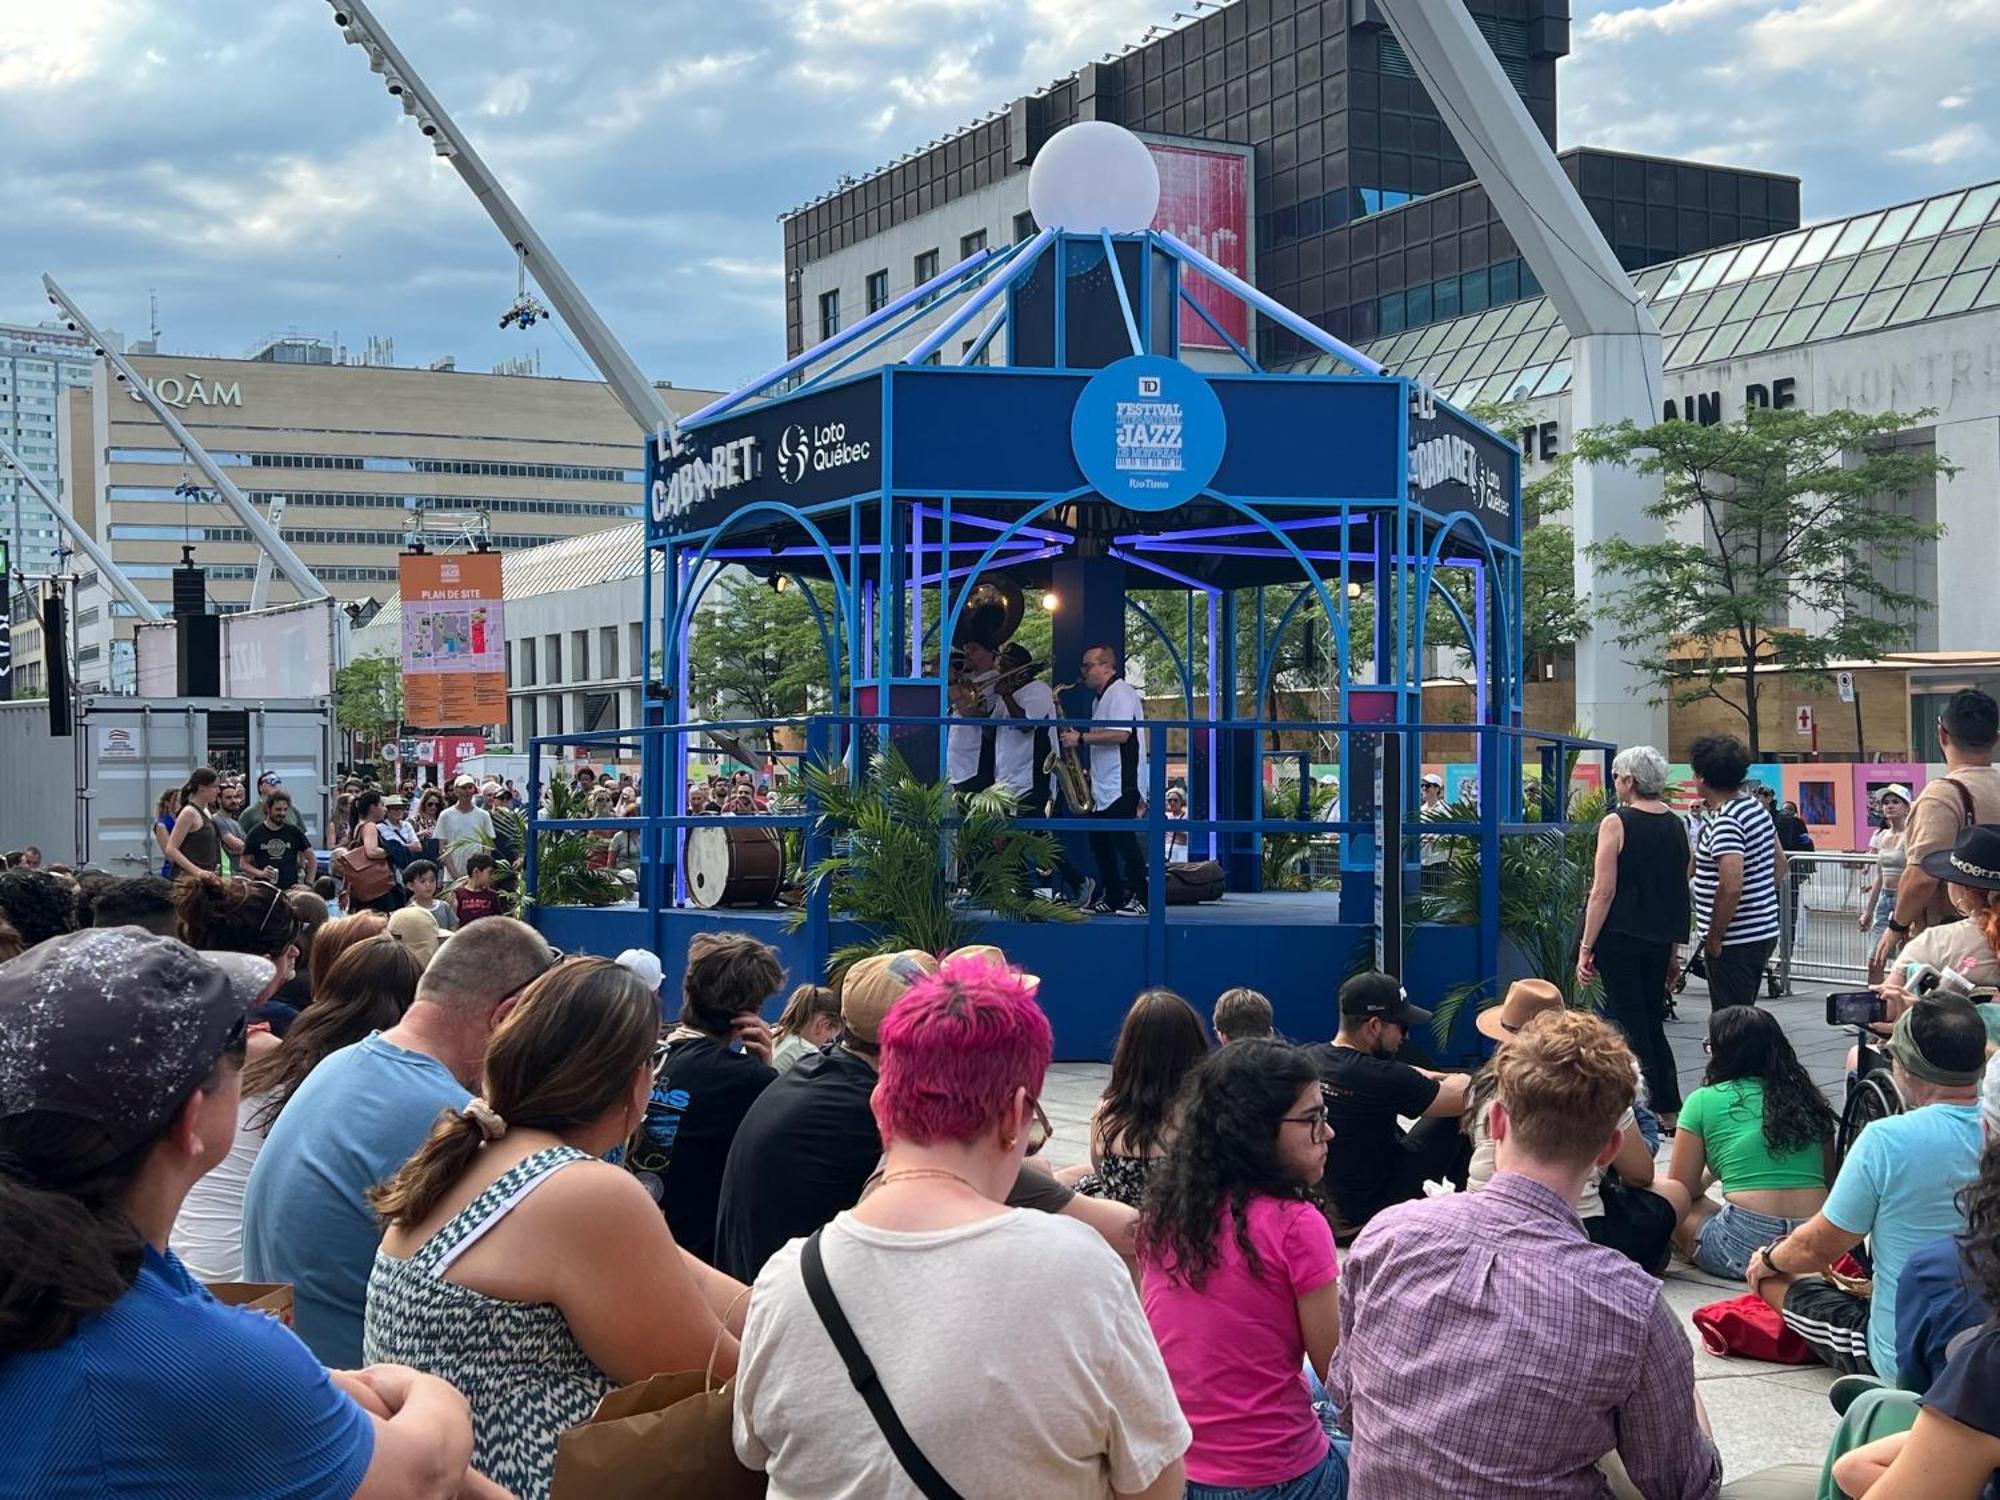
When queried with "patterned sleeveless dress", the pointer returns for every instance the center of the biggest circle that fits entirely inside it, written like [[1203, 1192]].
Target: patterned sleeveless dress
[[516, 1363]]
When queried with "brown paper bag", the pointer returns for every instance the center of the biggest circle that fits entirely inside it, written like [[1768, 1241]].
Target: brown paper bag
[[272, 1297], [666, 1436]]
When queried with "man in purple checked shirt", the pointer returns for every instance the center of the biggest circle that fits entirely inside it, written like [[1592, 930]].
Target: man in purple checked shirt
[[1489, 1348]]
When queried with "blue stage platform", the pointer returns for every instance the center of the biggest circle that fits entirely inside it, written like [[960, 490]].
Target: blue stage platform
[[1290, 945]]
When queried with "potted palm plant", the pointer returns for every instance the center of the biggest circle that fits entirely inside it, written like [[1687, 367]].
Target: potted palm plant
[[564, 875], [914, 866], [1544, 884]]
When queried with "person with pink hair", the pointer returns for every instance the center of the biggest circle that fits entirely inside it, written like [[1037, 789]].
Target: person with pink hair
[[930, 1269]]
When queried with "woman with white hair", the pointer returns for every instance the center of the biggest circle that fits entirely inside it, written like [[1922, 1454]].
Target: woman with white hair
[[1638, 917]]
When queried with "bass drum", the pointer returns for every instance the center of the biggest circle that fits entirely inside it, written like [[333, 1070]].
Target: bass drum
[[734, 865]]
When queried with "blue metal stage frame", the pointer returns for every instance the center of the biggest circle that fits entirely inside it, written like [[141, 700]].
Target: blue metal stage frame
[[885, 484]]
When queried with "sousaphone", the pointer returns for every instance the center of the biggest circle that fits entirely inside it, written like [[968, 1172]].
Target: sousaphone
[[992, 613]]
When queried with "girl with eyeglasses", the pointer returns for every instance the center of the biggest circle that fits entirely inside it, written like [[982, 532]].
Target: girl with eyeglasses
[[1239, 1277]]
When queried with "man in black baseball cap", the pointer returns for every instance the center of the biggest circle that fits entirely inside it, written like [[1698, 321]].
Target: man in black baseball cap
[[1370, 1161]]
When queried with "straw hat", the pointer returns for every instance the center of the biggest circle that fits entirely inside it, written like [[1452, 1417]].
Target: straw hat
[[1526, 999]]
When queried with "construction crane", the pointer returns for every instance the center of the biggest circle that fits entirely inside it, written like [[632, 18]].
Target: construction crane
[[262, 532], [1614, 342], [634, 392]]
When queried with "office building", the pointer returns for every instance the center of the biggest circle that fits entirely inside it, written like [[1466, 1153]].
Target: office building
[[364, 458], [1895, 309], [37, 365], [1354, 205]]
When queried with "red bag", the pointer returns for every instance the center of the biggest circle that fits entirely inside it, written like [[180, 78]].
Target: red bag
[[1749, 1326]]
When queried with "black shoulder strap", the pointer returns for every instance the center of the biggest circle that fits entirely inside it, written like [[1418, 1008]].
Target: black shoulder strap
[[862, 1372], [1968, 812]]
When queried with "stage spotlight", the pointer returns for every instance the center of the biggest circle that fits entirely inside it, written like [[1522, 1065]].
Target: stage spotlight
[[1354, 591], [780, 582], [1051, 602]]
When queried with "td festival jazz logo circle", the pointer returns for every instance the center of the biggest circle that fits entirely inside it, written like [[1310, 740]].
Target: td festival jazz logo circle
[[1148, 433]]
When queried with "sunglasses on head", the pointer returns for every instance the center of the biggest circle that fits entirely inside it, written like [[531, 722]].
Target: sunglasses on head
[[1039, 1128]]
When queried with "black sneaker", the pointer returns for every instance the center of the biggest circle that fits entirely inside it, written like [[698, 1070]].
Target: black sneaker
[[1132, 908], [1100, 907]]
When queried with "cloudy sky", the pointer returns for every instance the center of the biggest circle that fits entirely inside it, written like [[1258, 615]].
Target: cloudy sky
[[236, 156]]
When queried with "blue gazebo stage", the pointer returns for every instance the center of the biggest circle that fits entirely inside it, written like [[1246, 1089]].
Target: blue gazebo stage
[[1094, 463]]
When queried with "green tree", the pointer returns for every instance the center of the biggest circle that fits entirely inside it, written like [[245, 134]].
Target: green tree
[[368, 698], [756, 653], [1777, 515]]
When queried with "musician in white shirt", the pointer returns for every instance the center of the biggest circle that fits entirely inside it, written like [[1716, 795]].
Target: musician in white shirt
[[1021, 754], [968, 744], [1117, 781]]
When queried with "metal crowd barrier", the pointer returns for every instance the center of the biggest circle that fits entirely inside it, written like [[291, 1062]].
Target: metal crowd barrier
[[1820, 941]]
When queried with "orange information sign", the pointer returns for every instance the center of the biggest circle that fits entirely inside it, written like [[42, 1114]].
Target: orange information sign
[[454, 640]]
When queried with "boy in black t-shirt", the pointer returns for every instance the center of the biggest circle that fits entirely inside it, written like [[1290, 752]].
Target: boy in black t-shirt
[[1370, 1161]]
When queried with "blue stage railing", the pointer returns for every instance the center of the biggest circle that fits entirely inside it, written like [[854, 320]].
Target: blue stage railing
[[832, 738]]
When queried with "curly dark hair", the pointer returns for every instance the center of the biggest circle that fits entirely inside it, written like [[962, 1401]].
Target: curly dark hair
[[1979, 1201], [1224, 1153], [1162, 1038], [38, 904], [1747, 1043]]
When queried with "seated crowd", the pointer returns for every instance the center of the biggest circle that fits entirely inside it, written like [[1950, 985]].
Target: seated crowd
[[502, 1184]]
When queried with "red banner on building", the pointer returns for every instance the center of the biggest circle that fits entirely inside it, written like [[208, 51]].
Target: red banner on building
[[454, 640], [1205, 200]]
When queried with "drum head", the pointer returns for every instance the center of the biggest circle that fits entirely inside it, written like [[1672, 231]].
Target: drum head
[[707, 864]]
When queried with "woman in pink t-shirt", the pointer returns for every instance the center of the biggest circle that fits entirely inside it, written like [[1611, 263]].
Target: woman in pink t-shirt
[[1239, 1275]]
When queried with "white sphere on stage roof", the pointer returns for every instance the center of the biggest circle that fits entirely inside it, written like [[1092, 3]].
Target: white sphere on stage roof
[[1093, 176]]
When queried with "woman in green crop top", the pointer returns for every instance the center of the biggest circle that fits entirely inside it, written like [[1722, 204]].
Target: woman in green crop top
[[1760, 1127]]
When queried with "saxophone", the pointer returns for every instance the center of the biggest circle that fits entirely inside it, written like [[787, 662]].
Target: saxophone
[[1066, 765]]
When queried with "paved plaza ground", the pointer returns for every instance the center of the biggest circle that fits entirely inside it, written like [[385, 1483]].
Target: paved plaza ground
[[1763, 1414]]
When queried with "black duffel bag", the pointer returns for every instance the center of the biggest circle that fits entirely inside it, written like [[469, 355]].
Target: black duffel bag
[[1192, 881]]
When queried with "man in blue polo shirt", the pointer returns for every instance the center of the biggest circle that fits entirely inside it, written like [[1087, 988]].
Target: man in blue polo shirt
[[1898, 1189], [120, 1055]]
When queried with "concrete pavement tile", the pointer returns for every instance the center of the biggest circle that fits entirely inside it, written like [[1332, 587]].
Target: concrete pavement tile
[[1766, 1421]]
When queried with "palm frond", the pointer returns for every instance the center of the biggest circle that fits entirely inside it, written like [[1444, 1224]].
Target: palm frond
[[888, 872], [564, 875]]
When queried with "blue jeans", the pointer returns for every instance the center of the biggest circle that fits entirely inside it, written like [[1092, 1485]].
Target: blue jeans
[[1726, 1239], [1326, 1480]]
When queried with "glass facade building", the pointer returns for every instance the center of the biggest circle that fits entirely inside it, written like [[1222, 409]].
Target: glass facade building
[[1367, 220], [36, 366], [1882, 269]]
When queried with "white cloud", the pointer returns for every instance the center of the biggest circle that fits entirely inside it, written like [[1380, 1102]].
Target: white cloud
[[1845, 94], [1667, 16], [746, 270], [1949, 146], [239, 156], [48, 46], [508, 94]]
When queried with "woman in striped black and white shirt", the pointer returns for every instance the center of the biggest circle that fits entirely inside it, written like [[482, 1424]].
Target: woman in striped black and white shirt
[[1737, 867]]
